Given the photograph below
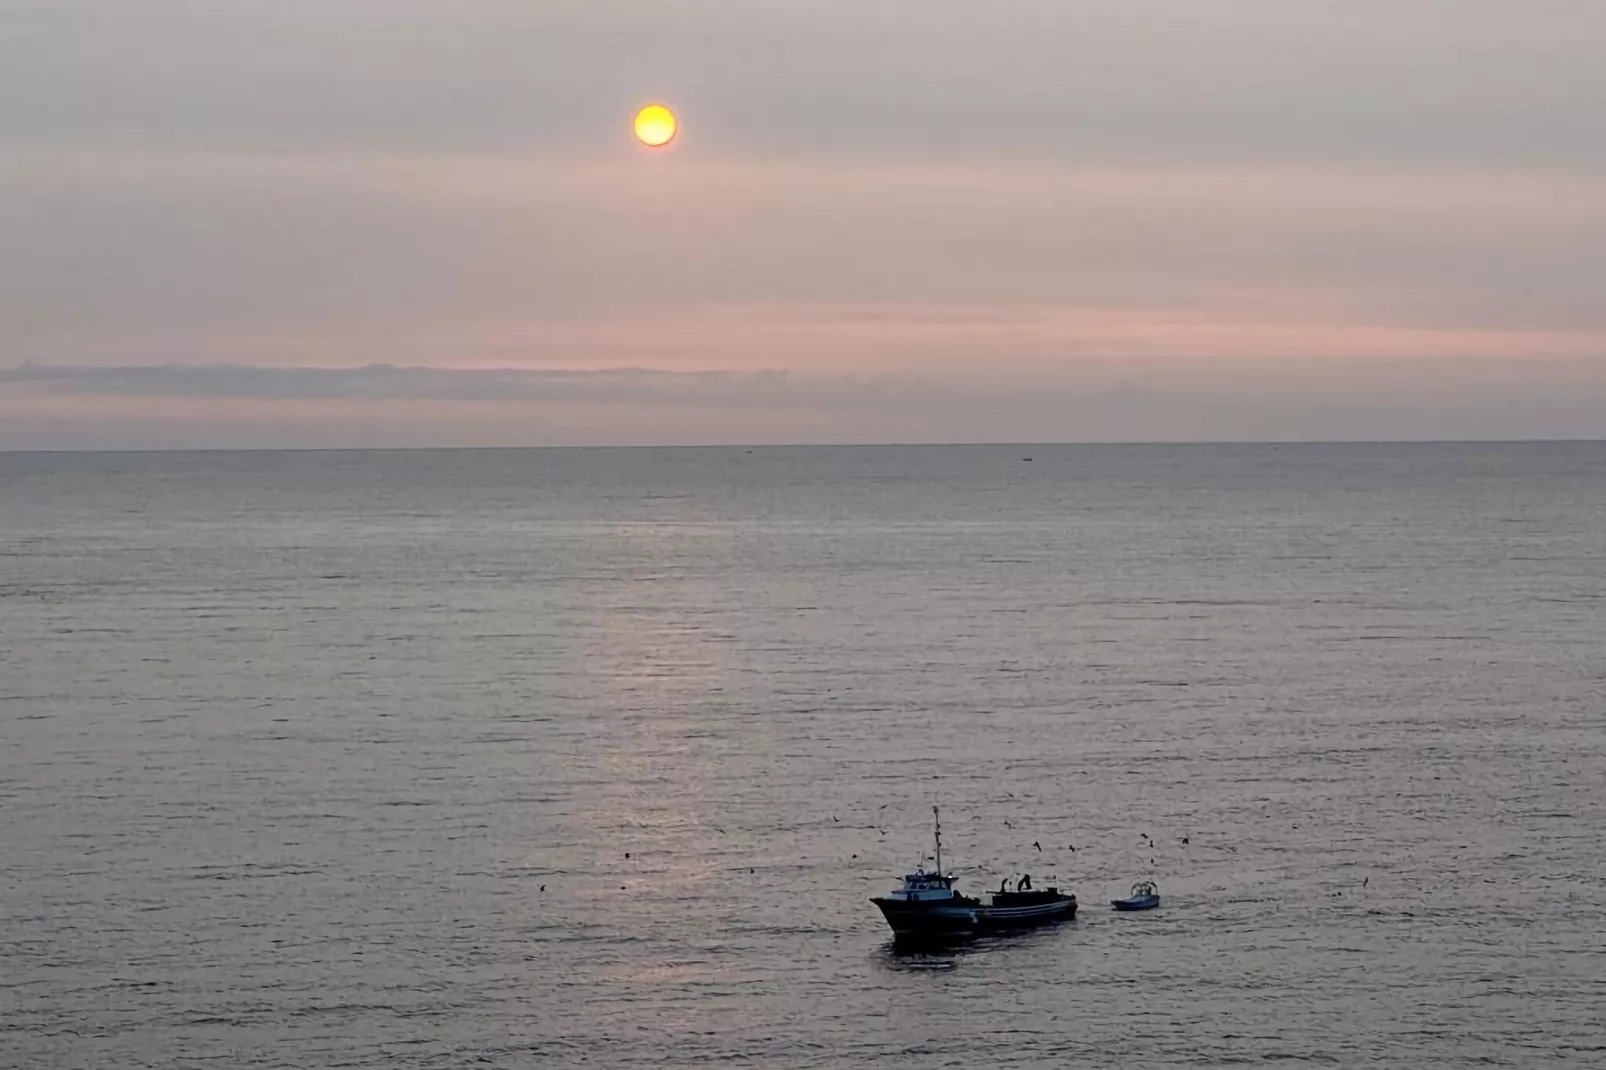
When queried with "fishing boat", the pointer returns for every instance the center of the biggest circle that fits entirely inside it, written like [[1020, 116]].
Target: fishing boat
[[1145, 896], [927, 904]]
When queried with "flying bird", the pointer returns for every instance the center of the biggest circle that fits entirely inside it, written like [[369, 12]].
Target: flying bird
[[1038, 846]]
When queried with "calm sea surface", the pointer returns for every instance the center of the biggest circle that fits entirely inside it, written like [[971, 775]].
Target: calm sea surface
[[594, 757]]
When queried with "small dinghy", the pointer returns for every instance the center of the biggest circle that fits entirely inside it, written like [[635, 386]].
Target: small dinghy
[[1145, 896]]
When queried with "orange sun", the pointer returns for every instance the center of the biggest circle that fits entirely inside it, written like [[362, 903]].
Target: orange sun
[[655, 126]]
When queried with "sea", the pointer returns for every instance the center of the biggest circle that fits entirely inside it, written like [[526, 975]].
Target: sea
[[595, 757]]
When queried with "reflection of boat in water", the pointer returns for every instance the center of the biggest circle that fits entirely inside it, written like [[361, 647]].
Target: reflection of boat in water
[[1145, 896], [927, 905]]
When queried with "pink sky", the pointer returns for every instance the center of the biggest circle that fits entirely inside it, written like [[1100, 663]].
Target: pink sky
[[955, 233]]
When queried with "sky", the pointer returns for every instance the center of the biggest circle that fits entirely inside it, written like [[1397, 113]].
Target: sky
[[352, 223]]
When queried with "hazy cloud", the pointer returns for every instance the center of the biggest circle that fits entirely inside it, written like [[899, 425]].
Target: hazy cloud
[[1174, 399], [1045, 198], [387, 382], [1458, 81]]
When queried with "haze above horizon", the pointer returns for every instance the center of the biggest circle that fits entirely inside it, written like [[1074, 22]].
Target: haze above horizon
[[397, 223]]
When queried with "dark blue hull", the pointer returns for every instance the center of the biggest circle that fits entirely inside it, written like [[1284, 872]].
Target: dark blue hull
[[956, 917], [1140, 902], [963, 916]]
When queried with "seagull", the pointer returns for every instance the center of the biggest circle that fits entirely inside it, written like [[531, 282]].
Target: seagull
[[1184, 841], [627, 854], [1038, 846], [1071, 847], [543, 887]]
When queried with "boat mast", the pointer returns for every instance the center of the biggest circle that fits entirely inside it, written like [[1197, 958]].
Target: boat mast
[[936, 818]]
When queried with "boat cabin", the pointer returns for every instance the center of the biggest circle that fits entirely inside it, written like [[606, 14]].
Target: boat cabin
[[920, 885]]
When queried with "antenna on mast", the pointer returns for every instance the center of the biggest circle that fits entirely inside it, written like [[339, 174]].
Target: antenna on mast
[[936, 818]]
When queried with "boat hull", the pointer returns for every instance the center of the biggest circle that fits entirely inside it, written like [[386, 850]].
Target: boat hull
[[1146, 902], [914, 920], [925, 919], [1026, 916]]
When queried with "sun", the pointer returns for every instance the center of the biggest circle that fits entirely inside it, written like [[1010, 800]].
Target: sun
[[655, 126]]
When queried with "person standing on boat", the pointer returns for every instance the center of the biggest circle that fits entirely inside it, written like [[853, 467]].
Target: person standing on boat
[[1024, 884]]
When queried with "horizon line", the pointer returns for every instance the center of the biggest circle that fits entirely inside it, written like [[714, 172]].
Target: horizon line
[[1117, 443]]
